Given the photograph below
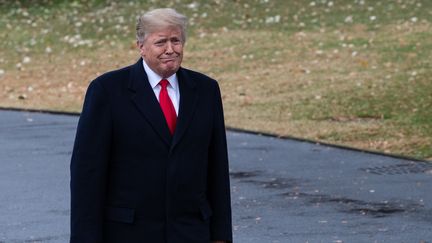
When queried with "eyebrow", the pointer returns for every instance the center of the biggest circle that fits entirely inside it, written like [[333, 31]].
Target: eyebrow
[[164, 38]]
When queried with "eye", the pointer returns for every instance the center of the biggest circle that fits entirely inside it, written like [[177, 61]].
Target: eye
[[175, 41], [160, 42]]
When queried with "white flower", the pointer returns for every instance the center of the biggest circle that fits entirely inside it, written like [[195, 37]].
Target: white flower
[[48, 49], [273, 19], [33, 42], [193, 5], [349, 19], [26, 59], [2, 72], [414, 19], [269, 20], [372, 18]]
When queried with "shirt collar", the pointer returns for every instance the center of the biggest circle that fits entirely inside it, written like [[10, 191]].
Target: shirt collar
[[154, 78]]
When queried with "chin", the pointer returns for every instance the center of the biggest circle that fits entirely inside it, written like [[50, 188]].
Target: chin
[[172, 69], [168, 72]]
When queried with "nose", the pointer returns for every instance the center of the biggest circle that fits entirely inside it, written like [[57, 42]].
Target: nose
[[169, 48]]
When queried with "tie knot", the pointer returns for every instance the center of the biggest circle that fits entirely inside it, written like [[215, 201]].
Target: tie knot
[[164, 83]]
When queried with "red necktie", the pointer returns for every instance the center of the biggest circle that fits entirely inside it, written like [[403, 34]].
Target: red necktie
[[167, 106]]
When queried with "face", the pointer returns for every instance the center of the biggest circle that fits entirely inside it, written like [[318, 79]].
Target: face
[[162, 50]]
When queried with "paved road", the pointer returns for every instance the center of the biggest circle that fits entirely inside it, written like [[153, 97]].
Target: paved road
[[283, 190]]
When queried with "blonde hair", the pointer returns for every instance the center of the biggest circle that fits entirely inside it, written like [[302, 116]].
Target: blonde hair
[[160, 18]]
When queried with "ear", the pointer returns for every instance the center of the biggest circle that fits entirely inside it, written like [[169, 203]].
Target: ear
[[140, 46]]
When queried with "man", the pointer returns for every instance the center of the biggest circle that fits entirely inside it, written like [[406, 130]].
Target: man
[[149, 163]]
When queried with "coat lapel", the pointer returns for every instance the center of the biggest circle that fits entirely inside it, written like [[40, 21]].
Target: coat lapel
[[188, 102], [144, 99]]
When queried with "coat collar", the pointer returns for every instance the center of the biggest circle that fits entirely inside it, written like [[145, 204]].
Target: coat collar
[[146, 102]]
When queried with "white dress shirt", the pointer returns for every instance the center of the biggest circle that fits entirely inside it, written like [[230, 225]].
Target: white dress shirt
[[173, 88]]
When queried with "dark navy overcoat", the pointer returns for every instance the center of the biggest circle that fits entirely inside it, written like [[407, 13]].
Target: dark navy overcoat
[[134, 182]]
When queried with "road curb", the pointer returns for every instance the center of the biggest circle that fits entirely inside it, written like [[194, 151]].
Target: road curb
[[233, 129], [397, 156]]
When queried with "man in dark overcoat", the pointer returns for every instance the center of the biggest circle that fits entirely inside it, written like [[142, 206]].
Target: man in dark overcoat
[[150, 163]]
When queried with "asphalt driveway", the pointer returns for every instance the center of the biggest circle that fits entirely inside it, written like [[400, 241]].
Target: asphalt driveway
[[282, 190]]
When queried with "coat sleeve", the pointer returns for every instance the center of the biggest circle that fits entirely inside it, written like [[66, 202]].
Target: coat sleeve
[[218, 177], [88, 167]]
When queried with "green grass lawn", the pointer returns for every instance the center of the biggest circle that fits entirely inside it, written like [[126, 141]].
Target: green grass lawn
[[351, 72]]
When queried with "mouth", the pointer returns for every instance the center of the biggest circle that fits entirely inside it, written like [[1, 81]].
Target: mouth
[[169, 59]]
